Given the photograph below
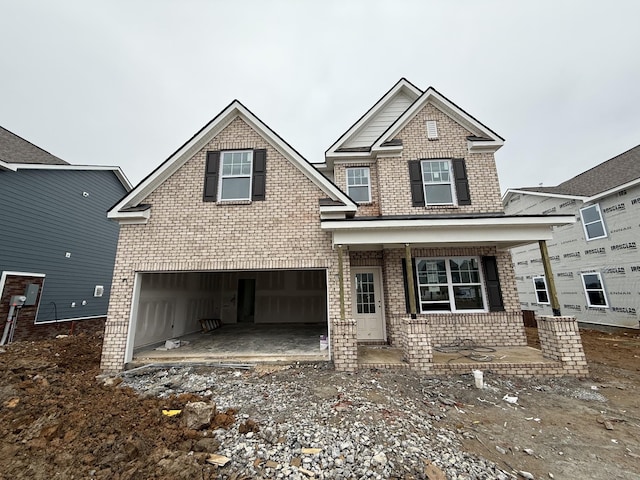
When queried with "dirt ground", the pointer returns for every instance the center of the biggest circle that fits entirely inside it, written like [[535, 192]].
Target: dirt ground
[[57, 420]]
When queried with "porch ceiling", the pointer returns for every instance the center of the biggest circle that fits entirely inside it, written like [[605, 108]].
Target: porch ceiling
[[502, 231]]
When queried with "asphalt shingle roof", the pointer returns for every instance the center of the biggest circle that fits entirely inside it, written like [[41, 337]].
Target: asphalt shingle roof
[[15, 149], [614, 172]]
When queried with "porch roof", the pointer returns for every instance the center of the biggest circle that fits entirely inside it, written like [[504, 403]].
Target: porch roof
[[497, 229]]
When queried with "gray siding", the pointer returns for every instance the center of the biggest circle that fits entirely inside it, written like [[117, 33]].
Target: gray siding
[[44, 215]]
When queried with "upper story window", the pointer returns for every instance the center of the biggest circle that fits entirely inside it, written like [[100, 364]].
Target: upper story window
[[592, 222], [449, 284], [540, 287], [359, 184], [594, 290], [432, 130], [235, 175], [440, 181]]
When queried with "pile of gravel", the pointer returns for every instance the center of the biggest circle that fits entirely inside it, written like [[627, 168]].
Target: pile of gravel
[[314, 422]]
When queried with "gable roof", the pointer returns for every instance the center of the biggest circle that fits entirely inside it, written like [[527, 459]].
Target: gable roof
[[617, 172], [374, 120], [126, 209], [15, 149], [481, 138], [393, 111]]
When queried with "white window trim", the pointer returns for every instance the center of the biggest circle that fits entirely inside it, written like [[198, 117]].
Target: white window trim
[[450, 286], [584, 225], [368, 169], [221, 176], [546, 289], [586, 295], [451, 182]]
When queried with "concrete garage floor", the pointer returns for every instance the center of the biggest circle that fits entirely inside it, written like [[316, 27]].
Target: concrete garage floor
[[242, 343]]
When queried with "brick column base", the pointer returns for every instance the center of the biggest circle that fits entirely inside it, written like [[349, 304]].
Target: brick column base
[[560, 341], [344, 345], [416, 343]]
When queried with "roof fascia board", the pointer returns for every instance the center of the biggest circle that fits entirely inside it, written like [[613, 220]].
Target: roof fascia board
[[542, 194], [208, 132], [613, 190], [39, 166], [450, 109], [403, 83], [130, 218], [7, 166], [446, 235], [336, 155], [458, 223]]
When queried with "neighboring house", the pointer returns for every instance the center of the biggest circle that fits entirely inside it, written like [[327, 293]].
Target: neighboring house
[[237, 226], [57, 247], [595, 261]]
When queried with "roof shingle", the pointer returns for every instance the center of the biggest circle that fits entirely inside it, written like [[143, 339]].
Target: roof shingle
[[15, 149], [614, 172]]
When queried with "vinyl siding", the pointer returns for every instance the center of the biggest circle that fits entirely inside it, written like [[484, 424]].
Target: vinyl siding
[[43, 215], [370, 132]]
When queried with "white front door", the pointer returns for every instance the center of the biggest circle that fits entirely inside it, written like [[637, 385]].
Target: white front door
[[366, 288]]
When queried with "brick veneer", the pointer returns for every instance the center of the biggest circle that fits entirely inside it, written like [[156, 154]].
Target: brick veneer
[[560, 341], [186, 234], [416, 343], [345, 344], [395, 196]]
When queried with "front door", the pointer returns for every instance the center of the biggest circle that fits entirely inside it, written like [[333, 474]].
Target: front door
[[367, 303]]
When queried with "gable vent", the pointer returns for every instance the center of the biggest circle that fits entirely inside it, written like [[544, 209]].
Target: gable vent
[[432, 130], [98, 291]]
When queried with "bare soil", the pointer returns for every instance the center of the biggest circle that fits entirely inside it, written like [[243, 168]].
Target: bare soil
[[57, 419]]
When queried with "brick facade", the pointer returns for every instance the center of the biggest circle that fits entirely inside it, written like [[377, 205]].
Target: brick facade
[[560, 341], [284, 232], [186, 234]]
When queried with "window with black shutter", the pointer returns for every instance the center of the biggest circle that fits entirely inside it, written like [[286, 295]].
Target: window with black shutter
[[437, 182], [235, 175]]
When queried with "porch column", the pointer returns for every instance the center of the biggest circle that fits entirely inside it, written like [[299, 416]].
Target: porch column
[[410, 283], [341, 280], [548, 276]]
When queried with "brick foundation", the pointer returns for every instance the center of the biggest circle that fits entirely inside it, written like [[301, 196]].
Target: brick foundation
[[344, 345], [560, 341], [417, 344]]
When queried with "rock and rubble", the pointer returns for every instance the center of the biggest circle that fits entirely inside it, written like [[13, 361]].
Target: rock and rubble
[[60, 418]]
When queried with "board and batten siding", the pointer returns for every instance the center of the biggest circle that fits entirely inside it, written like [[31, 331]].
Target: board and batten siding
[[616, 257], [43, 215], [378, 124]]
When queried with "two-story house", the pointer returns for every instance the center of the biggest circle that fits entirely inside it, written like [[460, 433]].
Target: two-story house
[[57, 247], [595, 261], [400, 229]]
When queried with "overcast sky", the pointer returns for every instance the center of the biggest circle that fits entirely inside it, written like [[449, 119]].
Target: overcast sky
[[126, 82]]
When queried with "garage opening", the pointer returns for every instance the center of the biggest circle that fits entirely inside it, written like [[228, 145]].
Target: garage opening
[[234, 316]]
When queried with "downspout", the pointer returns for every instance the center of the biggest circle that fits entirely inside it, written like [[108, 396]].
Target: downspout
[[410, 283], [548, 276]]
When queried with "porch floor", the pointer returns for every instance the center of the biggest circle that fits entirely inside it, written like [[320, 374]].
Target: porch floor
[[242, 343], [385, 356]]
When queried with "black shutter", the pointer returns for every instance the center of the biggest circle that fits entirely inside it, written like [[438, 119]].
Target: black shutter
[[211, 177], [405, 282], [415, 177], [462, 183], [259, 175], [494, 292]]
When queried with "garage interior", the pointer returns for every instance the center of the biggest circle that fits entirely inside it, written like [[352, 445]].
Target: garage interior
[[233, 316]]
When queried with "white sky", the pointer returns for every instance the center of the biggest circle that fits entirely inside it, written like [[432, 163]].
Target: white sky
[[126, 82]]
